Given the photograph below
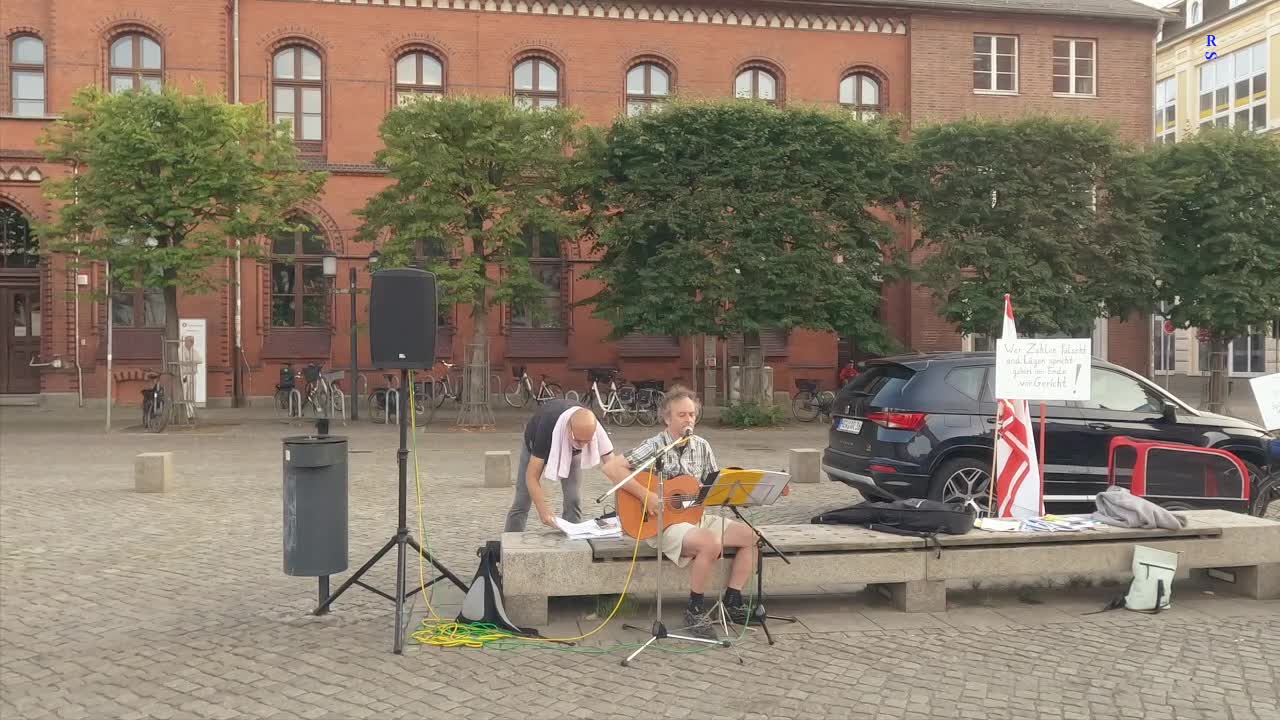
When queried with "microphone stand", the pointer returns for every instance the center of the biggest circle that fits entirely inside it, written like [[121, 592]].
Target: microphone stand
[[659, 630]]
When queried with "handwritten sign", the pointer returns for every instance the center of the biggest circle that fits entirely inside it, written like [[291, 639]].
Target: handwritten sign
[[1043, 369], [1266, 391]]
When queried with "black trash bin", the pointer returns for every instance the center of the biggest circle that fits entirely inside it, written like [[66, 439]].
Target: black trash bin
[[315, 506]]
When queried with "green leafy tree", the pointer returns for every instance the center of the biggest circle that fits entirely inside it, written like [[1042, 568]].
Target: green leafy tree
[[1055, 212], [733, 217], [473, 179], [166, 184], [1219, 238]]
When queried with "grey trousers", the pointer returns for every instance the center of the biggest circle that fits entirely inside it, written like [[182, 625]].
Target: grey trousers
[[570, 488]]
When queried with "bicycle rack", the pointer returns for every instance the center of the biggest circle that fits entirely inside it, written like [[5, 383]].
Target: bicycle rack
[[393, 398], [338, 405], [362, 379], [295, 401]]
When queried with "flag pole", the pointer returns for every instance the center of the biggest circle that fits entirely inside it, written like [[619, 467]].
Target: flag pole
[[995, 453], [1042, 414], [1042, 423]]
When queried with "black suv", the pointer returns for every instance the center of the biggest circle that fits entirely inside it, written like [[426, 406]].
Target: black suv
[[920, 426]]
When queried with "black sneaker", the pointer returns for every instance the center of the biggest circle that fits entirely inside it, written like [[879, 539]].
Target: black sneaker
[[739, 614], [698, 624]]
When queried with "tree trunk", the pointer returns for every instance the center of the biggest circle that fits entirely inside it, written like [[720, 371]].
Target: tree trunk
[[1217, 374], [753, 370], [476, 410]]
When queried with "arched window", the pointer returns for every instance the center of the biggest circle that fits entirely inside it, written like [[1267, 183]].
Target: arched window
[[136, 63], [26, 76], [18, 247], [418, 74], [536, 84], [547, 265], [860, 94], [648, 85], [1196, 14], [757, 83], [296, 92], [298, 291]]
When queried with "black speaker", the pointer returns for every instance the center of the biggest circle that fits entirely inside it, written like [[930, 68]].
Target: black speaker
[[402, 319]]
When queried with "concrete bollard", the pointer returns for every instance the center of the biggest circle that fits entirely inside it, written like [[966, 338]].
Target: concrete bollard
[[497, 469], [153, 472], [806, 465]]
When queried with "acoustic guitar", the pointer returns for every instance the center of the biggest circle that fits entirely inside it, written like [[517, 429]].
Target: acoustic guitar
[[676, 491]]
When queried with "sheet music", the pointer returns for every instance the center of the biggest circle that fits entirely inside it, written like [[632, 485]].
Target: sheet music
[[590, 529], [733, 486]]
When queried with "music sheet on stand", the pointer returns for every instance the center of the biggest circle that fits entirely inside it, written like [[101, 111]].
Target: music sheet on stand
[[747, 487]]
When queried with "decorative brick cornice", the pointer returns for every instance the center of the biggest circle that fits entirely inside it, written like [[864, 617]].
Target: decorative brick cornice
[[20, 173], [767, 19]]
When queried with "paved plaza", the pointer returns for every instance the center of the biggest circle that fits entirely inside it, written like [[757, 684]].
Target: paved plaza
[[120, 605]]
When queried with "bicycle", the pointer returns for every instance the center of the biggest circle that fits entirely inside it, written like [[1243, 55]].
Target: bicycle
[[386, 399], [619, 406], [808, 403], [157, 407], [450, 388], [648, 401], [521, 390], [1266, 497]]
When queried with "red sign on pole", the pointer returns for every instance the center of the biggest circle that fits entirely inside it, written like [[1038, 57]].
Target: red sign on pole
[[1169, 329]]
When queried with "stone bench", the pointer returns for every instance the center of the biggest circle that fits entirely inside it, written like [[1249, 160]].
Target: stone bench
[[539, 565]]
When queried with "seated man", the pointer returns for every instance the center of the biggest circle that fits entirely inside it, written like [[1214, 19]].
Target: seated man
[[685, 543]]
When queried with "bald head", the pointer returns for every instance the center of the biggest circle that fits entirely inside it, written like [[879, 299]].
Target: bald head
[[582, 427]]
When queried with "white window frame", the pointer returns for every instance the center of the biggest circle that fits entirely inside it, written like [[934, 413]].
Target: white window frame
[[992, 72], [1071, 70], [1166, 96], [1195, 13], [1221, 74]]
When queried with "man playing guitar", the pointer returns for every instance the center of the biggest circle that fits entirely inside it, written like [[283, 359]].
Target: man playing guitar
[[684, 542]]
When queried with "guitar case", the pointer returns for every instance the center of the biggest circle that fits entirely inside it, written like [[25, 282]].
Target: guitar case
[[921, 518]]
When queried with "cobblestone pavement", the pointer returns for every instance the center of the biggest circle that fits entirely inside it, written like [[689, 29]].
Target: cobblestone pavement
[[120, 605]]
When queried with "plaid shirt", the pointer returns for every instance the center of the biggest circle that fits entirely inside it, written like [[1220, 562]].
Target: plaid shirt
[[692, 458]]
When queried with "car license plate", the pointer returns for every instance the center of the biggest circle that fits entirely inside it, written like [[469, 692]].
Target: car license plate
[[850, 426]]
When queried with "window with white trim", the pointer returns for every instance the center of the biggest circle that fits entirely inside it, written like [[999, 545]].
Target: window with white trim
[[1166, 111], [1075, 67], [995, 63], [26, 76], [1233, 89], [419, 74]]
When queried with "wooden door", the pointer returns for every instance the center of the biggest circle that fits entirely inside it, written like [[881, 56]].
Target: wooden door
[[20, 328]]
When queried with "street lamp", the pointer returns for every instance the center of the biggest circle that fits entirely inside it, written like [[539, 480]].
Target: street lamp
[[329, 264]]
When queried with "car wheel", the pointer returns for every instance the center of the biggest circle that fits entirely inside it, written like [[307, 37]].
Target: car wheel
[[1176, 506], [959, 480]]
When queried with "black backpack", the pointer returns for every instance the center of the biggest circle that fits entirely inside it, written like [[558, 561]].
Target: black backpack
[[915, 517]]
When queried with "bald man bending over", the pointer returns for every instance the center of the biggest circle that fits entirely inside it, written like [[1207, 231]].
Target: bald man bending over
[[534, 452]]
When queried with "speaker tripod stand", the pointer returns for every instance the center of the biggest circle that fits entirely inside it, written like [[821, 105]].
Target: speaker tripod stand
[[397, 541]]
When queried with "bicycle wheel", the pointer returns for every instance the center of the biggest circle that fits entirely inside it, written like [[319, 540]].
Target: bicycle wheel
[[571, 396], [1266, 498], [282, 399], [646, 408], [553, 393], [803, 406], [515, 394], [826, 401], [378, 405], [439, 391], [161, 409]]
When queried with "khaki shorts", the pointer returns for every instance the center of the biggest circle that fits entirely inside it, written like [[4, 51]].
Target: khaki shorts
[[673, 537]]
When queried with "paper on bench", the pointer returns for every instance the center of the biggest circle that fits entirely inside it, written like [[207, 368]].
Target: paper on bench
[[590, 529]]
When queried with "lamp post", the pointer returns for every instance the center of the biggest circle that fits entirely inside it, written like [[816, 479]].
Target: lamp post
[[330, 267]]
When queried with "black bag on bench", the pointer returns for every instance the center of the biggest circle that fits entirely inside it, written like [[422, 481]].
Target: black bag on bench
[[919, 518]]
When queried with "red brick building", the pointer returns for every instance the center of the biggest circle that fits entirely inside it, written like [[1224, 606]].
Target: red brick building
[[335, 68]]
